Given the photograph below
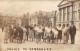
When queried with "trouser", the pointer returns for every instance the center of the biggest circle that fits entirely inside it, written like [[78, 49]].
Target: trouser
[[27, 37], [11, 39], [48, 38], [42, 35], [39, 37], [72, 38]]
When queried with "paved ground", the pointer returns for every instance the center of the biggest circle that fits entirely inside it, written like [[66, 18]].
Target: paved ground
[[27, 46]]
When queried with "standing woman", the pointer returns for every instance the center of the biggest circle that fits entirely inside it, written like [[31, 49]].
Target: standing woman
[[67, 32], [59, 32], [64, 34], [55, 34], [39, 33], [24, 34], [6, 36], [31, 34], [48, 34]]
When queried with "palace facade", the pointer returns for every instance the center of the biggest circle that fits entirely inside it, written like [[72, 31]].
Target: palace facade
[[68, 11]]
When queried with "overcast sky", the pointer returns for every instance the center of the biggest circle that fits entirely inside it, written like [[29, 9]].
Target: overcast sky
[[20, 7]]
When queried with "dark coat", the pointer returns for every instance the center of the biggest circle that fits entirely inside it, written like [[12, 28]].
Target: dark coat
[[20, 31], [11, 31], [27, 28], [52, 34], [59, 34], [72, 30]]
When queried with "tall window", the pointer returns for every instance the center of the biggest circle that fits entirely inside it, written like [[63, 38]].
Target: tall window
[[79, 15], [64, 14], [60, 15], [68, 13]]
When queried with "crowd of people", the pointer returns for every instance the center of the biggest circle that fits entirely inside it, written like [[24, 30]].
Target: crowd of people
[[40, 33]]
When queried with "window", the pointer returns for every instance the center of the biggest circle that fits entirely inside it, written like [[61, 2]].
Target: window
[[64, 14], [60, 15], [68, 16], [68, 13], [79, 15]]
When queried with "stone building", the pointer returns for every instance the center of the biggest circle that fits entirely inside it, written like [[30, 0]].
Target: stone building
[[68, 11]]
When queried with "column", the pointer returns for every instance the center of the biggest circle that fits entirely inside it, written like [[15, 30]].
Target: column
[[67, 15], [63, 15]]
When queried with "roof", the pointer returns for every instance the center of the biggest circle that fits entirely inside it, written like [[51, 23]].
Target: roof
[[63, 2]]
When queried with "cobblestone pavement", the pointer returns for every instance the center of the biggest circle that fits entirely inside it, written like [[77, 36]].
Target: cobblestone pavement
[[27, 46]]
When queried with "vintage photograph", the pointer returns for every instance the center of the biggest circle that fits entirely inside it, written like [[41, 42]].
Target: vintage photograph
[[39, 25]]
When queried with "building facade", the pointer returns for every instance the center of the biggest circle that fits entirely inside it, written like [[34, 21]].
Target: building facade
[[68, 11]]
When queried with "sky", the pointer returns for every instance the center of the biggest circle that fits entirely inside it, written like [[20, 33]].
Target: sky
[[20, 7]]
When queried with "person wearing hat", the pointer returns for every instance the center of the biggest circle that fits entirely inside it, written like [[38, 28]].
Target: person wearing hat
[[63, 34], [67, 32], [72, 32], [59, 28]]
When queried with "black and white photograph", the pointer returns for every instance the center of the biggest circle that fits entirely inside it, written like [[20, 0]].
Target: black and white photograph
[[39, 25]]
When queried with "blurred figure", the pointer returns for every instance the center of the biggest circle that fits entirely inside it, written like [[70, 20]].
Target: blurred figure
[[40, 33], [24, 34], [55, 34], [52, 35], [11, 32], [27, 33], [43, 30], [72, 32], [64, 34], [67, 32], [6, 36], [59, 32], [31, 33], [48, 29], [44, 34], [20, 33], [15, 34], [37, 33]]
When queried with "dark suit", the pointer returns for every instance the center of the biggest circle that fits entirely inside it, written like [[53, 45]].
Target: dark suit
[[27, 33], [72, 33], [11, 31]]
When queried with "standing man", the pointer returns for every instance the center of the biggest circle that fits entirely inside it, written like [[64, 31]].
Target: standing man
[[11, 31], [72, 32], [27, 33]]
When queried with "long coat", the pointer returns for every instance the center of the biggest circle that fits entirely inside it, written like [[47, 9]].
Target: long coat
[[72, 30], [65, 34], [59, 32], [20, 33], [24, 33], [31, 33], [6, 33]]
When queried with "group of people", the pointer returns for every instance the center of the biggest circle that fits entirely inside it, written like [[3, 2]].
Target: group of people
[[39, 33]]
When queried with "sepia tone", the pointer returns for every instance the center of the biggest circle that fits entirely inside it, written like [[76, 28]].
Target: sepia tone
[[39, 25]]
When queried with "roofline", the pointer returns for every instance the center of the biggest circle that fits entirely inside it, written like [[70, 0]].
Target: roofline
[[60, 3], [66, 3]]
